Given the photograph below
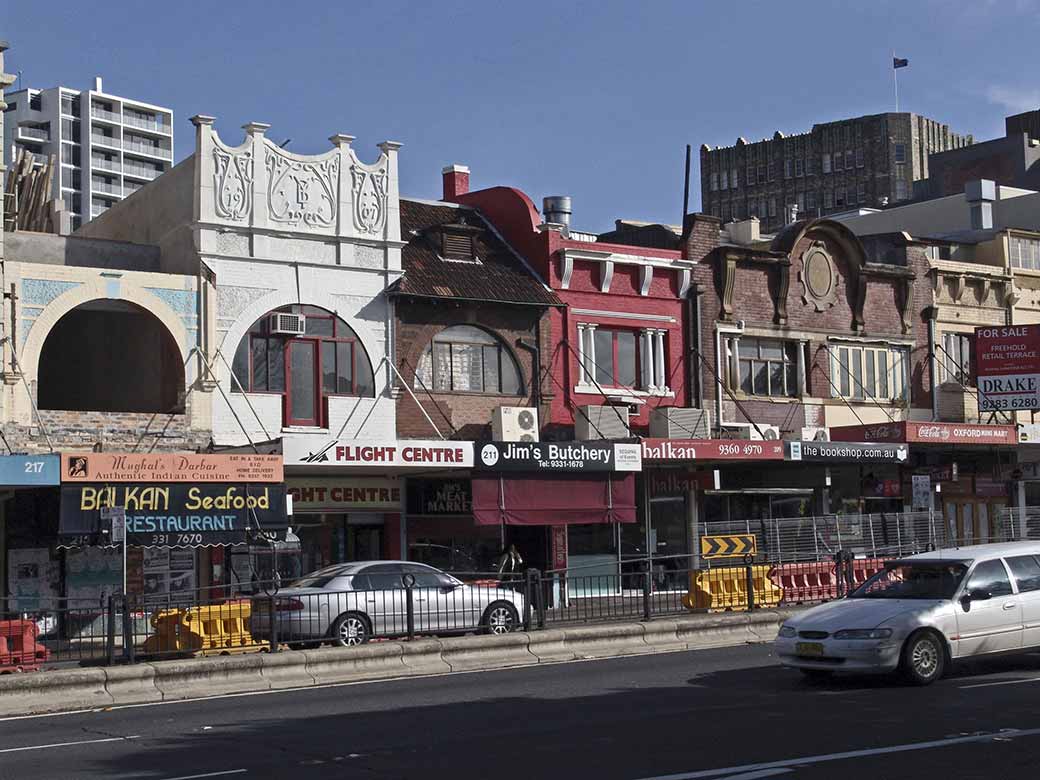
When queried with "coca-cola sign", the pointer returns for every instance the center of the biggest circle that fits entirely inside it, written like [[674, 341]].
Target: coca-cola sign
[[927, 433]]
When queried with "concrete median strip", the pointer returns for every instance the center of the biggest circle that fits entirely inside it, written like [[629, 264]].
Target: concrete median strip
[[72, 689]]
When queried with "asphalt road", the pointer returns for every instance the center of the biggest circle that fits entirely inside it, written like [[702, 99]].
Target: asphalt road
[[729, 713]]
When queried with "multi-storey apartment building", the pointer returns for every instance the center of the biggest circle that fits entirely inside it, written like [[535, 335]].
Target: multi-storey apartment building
[[108, 146], [862, 161]]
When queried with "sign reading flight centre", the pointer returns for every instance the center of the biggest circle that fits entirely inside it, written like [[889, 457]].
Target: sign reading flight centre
[[404, 453], [1007, 364]]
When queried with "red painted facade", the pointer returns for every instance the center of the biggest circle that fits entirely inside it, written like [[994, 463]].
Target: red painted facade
[[575, 271]]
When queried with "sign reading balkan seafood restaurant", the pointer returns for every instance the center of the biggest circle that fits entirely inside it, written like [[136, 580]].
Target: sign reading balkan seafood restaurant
[[175, 515], [406, 453], [675, 450], [562, 456], [136, 467]]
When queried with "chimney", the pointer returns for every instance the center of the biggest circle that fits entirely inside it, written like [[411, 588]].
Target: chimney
[[456, 181], [97, 84], [745, 232], [700, 236], [556, 210], [980, 195]]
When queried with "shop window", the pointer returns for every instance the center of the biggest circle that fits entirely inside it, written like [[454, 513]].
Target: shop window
[[465, 359], [869, 373], [111, 356], [956, 357], [1024, 253], [767, 367], [327, 359]]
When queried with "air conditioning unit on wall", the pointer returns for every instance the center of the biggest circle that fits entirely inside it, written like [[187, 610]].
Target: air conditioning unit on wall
[[514, 423], [284, 324], [748, 431], [815, 433], [675, 422], [601, 422]]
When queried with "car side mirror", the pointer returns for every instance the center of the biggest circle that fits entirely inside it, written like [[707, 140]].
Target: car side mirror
[[978, 594], [966, 602]]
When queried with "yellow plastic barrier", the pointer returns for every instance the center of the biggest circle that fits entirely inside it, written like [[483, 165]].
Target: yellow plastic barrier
[[719, 590], [216, 629]]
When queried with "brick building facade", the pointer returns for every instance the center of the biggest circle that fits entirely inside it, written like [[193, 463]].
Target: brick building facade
[[837, 166]]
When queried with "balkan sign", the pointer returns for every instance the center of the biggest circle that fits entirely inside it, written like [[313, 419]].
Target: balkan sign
[[343, 494], [728, 546], [927, 433], [1007, 366], [562, 456], [134, 467], [665, 450], [408, 454], [30, 470], [849, 452], [175, 515]]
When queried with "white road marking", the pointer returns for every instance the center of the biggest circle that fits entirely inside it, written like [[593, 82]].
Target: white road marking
[[66, 744], [999, 682], [760, 774], [210, 774], [728, 772]]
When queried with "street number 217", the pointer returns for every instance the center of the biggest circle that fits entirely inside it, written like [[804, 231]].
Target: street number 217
[[34, 467]]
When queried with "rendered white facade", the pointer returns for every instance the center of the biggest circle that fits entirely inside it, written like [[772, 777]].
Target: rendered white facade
[[265, 229], [108, 146]]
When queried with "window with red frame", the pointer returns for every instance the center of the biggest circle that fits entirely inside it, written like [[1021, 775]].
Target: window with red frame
[[327, 360]]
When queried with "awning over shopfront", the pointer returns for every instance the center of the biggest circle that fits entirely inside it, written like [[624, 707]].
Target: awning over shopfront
[[529, 499], [174, 514], [929, 433]]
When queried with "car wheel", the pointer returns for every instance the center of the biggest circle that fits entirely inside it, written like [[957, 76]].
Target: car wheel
[[923, 659], [350, 630], [817, 675], [500, 618]]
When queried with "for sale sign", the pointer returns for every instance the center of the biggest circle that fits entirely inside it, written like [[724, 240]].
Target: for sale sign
[[1007, 363]]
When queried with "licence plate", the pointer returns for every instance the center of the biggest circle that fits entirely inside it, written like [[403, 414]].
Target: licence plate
[[809, 649]]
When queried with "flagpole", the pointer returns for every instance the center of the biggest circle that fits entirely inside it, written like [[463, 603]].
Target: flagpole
[[895, 78]]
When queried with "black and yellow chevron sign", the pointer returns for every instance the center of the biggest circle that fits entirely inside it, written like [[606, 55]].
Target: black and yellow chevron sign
[[729, 546]]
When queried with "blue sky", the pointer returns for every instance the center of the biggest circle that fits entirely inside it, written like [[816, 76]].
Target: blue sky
[[591, 99]]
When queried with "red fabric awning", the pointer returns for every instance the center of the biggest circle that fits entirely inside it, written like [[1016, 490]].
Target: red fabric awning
[[530, 499]]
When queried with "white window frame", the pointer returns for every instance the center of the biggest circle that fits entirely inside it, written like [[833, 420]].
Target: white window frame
[[652, 366], [875, 372], [792, 358], [955, 357], [1024, 252]]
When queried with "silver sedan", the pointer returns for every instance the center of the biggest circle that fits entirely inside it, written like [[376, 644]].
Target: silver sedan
[[350, 603], [920, 614]]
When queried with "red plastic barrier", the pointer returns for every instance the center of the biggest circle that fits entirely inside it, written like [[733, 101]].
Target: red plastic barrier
[[19, 650], [818, 581]]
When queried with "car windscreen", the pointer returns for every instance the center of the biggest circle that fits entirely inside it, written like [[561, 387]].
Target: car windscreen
[[913, 580]]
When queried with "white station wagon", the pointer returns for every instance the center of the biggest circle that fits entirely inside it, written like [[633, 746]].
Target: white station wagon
[[923, 612]]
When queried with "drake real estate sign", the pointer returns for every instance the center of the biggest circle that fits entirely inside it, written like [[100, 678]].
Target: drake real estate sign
[[1007, 367]]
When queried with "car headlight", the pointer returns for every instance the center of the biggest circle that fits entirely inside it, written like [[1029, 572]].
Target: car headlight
[[863, 633], [787, 632]]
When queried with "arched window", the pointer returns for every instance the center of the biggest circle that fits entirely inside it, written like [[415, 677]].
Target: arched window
[[326, 359], [464, 359]]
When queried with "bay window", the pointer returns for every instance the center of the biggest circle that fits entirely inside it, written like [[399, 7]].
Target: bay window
[[869, 372]]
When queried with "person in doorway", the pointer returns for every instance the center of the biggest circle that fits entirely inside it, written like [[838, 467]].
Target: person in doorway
[[510, 563]]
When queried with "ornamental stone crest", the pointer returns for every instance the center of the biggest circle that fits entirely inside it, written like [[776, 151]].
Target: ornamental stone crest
[[302, 192], [233, 184], [369, 198], [818, 277]]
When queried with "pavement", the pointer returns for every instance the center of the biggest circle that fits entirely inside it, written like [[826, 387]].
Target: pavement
[[726, 713]]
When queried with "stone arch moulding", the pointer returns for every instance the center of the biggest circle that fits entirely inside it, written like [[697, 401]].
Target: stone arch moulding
[[267, 303], [29, 359]]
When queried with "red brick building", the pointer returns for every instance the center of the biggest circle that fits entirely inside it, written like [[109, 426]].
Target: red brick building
[[621, 340]]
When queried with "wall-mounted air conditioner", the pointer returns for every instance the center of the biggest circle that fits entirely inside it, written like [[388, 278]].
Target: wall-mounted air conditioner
[[815, 433], [676, 422], [284, 324], [601, 422], [514, 423], [748, 431]]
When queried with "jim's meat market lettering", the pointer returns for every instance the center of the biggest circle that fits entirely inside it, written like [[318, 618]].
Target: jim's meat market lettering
[[155, 498]]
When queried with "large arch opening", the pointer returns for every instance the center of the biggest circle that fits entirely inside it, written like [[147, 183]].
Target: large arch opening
[[110, 356]]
